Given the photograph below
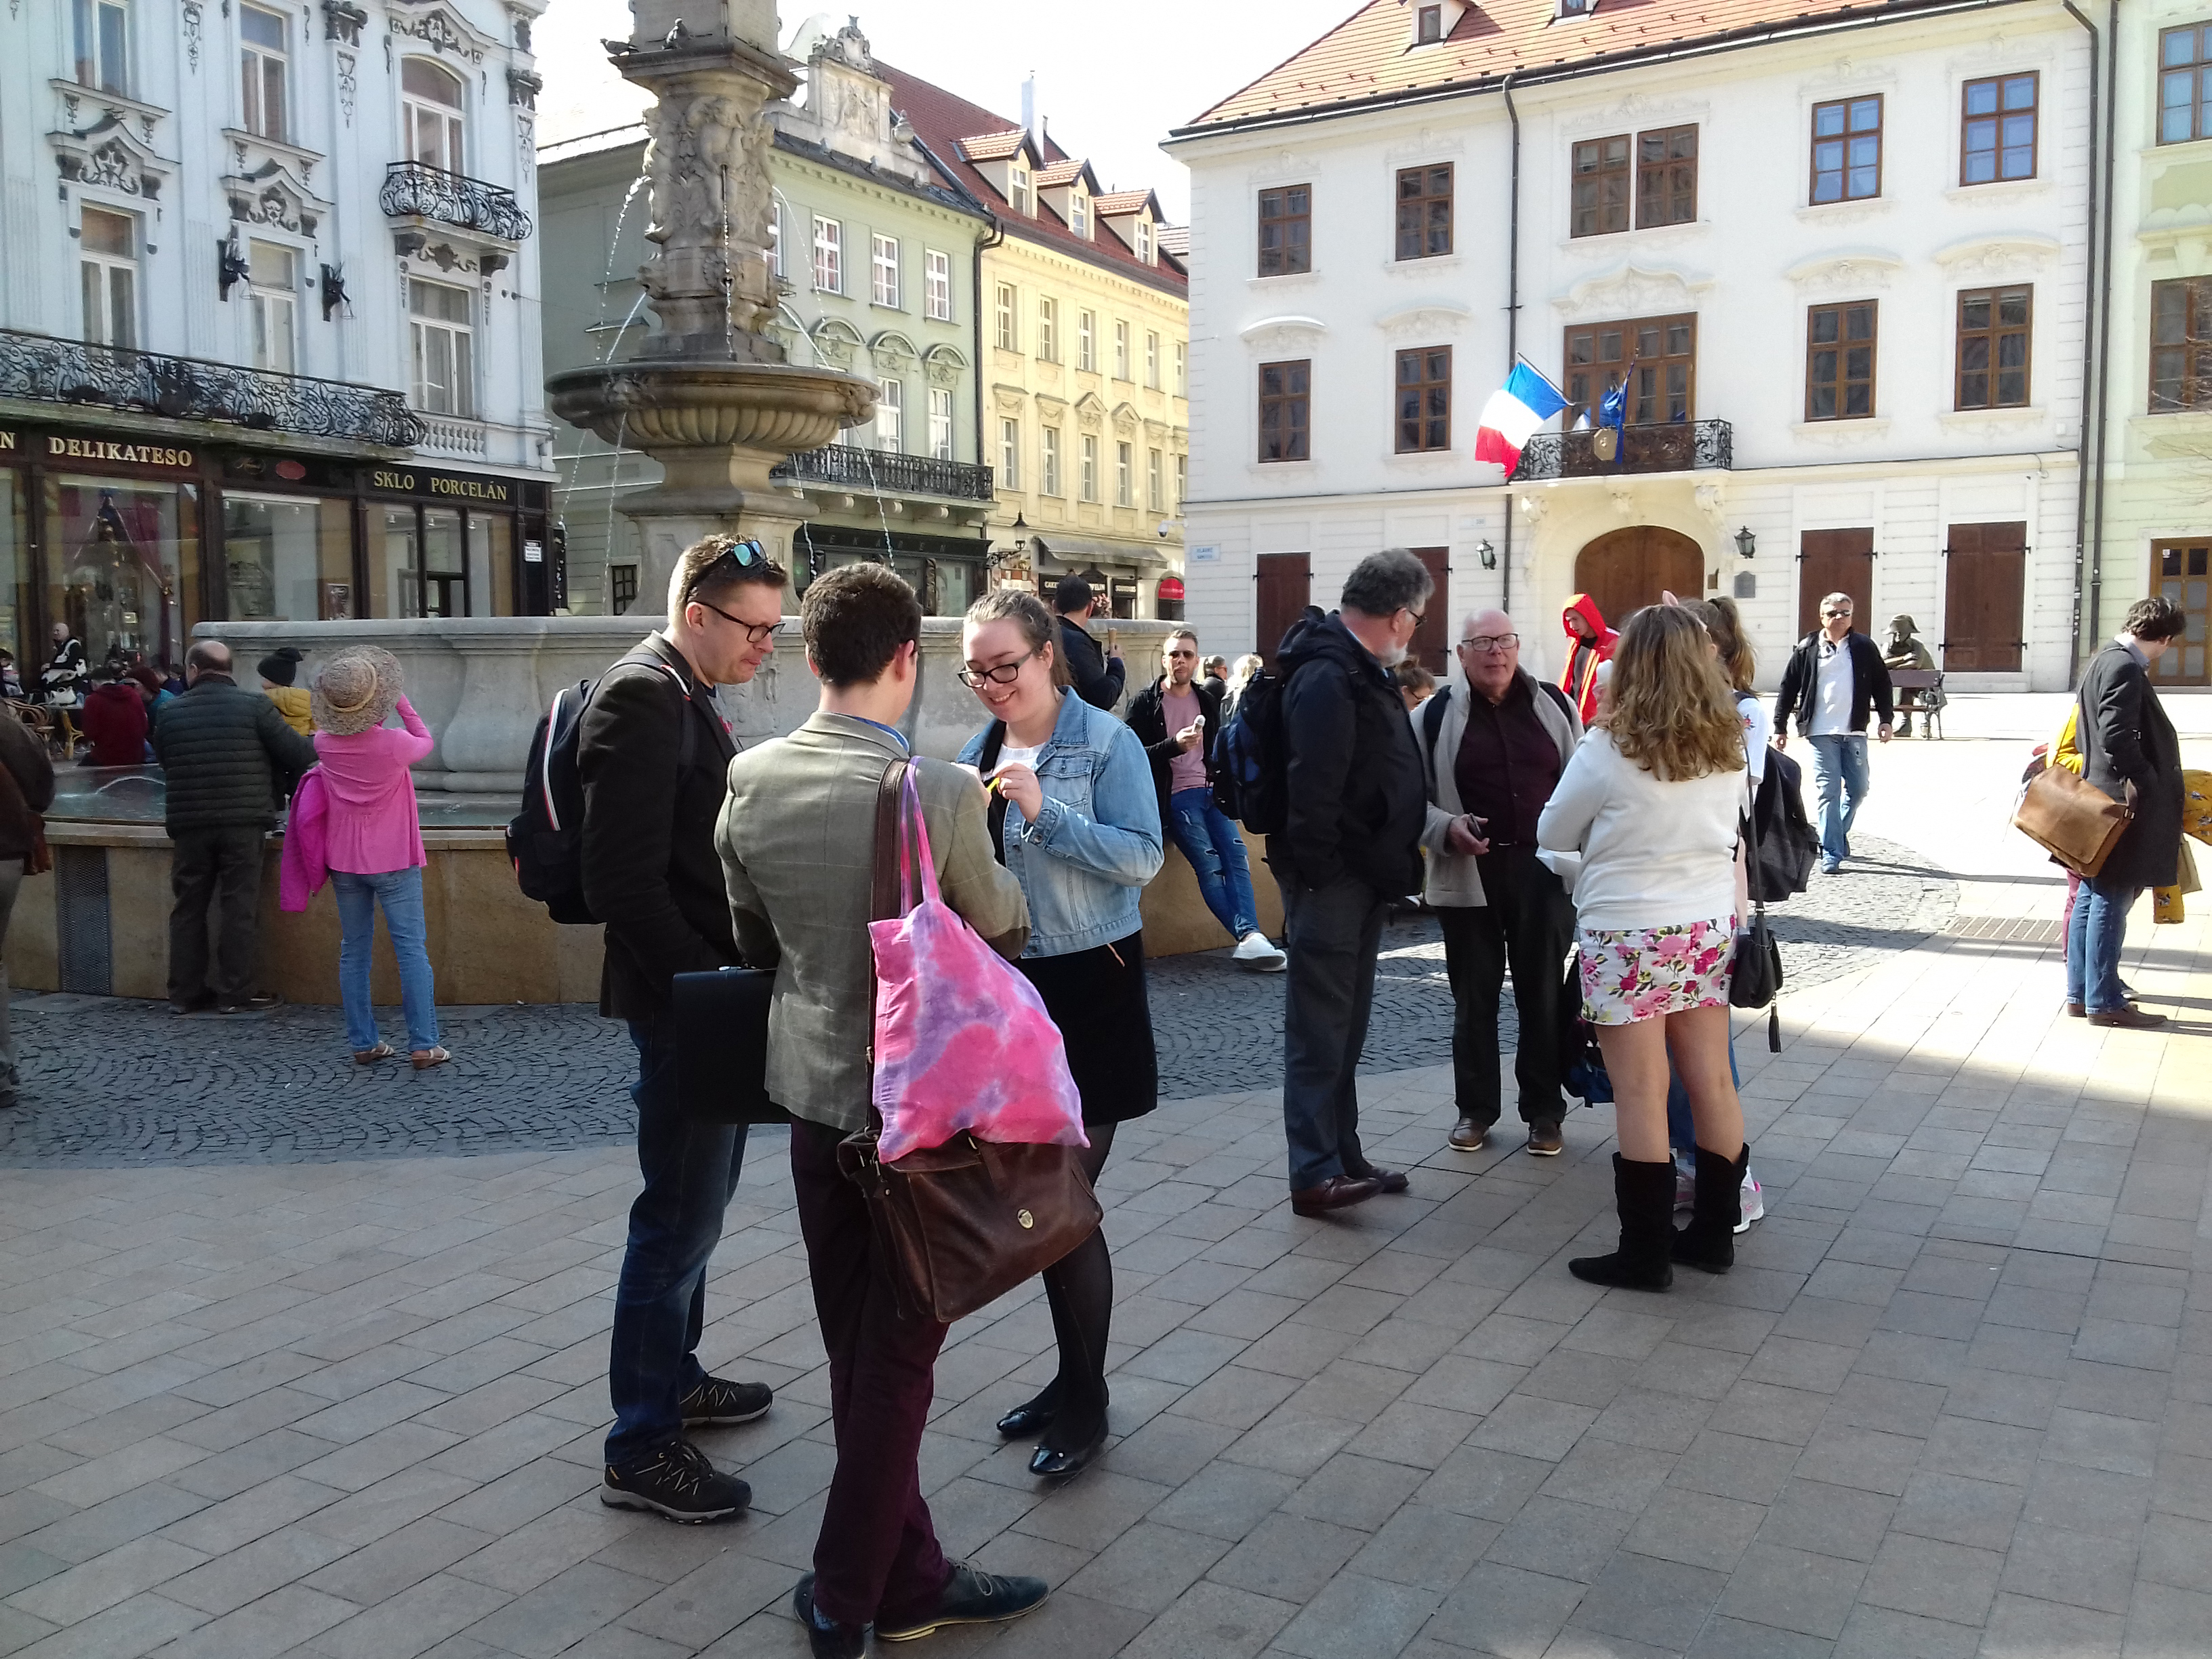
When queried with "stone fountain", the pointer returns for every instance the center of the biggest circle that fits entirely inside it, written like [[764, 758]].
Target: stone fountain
[[708, 395]]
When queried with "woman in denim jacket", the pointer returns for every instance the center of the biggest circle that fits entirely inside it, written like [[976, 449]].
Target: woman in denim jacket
[[1076, 818]]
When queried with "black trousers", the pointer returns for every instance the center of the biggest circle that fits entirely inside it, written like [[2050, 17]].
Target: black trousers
[[219, 868], [1528, 923]]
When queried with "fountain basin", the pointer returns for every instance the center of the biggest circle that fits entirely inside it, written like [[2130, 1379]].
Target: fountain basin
[[695, 414]]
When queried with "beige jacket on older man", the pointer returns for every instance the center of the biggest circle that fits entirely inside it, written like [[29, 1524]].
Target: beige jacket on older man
[[1454, 880], [797, 839]]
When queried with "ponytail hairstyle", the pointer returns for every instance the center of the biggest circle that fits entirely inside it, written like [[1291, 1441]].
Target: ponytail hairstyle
[[1725, 623], [1027, 612]]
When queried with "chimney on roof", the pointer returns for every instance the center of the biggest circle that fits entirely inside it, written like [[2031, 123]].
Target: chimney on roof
[[1030, 108]]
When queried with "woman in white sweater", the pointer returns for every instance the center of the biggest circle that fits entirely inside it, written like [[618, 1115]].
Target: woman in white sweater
[[1652, 801]]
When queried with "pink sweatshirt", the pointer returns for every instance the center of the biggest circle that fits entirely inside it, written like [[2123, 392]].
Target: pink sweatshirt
[[374, 826]]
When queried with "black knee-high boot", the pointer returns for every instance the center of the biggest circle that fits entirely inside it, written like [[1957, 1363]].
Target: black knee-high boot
[[1644, 1193], [1709, 1242]]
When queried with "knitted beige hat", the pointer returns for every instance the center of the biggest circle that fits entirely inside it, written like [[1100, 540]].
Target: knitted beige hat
[[356, 691]]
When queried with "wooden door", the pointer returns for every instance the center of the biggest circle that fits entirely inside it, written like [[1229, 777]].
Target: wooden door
[[1986, 583], [1625, 570], [1431, 646], [2183, 573], [1835, 561], [1285, 586]]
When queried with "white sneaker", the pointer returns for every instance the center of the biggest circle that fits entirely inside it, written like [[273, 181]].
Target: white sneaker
[[1256, 954], [1754, 1202]]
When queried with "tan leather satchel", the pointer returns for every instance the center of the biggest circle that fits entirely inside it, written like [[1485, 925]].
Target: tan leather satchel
[[2072, 819], [960, 1224]]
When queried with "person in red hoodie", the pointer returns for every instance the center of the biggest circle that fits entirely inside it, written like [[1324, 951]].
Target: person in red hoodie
[[114, 719], [1589, 643]]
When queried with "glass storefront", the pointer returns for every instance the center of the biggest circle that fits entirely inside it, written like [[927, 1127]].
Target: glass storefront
[[14, 569], [491, 565], [287, 558], [122, 566], [440, 562]]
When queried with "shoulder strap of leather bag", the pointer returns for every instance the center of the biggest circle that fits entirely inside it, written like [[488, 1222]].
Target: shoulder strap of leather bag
[[883, 902]]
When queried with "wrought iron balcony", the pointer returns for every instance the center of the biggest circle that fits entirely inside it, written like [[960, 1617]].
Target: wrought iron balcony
[[417, 189], [880, 472], [192, 389], [1689, 446]]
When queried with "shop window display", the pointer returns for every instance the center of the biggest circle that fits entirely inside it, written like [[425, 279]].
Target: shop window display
[[287, 558], [122, 566]]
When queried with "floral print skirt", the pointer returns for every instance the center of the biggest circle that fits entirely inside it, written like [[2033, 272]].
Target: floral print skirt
[[1642, 973]]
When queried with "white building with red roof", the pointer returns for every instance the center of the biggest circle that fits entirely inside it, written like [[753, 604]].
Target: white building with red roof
[[1838, 253]]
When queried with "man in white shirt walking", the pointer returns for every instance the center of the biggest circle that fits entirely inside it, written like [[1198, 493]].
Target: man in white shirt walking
[[1835, 681]]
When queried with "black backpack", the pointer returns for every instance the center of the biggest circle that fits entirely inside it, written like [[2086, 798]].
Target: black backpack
[[1251, 766], [1786, 844], [545, 839]]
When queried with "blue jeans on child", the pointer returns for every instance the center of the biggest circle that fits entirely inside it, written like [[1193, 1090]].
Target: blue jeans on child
[[400, 893], [1216, 853]]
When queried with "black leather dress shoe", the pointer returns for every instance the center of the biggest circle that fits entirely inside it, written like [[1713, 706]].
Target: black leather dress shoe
[[829, 1638], [1047, 1464], [1031, 1418], [1337, 1193], [971, 1597]]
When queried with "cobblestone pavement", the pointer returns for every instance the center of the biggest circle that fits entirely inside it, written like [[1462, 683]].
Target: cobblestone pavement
[[1955, 1398], [113, 1081]]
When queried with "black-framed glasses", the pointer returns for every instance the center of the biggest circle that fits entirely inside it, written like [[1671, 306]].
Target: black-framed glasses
[[1491, 643], [756, 633], [1004, 673]]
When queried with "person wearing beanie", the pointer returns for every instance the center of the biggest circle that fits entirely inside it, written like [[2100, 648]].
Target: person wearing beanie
[[277, 671]]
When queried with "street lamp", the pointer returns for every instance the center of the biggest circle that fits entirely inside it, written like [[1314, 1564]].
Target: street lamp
[[1746, 543], [1487, 554]]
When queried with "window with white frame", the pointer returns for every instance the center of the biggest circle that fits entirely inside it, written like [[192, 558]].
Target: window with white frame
[[890, 416], [829, 256], [887, 270], [775, 239], [1182, 480], [273, 300], [443, 341], [1048, 462], [103, 44], [1010, 338], [1078, 215], [937, 286], [1151, 360], [1125, 467], [265, 64], [1182, 369], [1010, 454], [941, 422], [1120, 351], [1090, 479], [1086, 342], [1145, 240], [1156, 481], [1024, 196], [430, 100], [107, 264], [1047, 334]]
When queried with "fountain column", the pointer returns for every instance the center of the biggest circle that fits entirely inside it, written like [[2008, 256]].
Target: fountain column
[[709, 395]]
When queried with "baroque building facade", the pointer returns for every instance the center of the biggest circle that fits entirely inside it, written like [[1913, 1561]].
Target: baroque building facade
[[872, 254], [1838, 259], [268, 341]]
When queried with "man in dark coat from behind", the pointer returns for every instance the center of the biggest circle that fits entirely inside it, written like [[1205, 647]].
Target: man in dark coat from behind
[[2129, 751]]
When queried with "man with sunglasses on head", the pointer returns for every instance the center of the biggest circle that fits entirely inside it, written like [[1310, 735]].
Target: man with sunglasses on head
[[653, 751]]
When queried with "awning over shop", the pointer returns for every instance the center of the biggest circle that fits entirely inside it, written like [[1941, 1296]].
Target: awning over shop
[[1076, 551]]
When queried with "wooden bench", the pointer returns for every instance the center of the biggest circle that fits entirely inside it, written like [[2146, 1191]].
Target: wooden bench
[[1929, 683]]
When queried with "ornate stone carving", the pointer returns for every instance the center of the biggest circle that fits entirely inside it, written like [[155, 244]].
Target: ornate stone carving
[[1283, 165], [943, 365], [1631, 291], [523, 88], [1284, 334], [1997, 258], [349, 84], [1090, 411], [1712, 502], [343, 21], [1855, 270], [442, 32], [707, 165], [1009, 399], [1429, 141], [191, 30], [1425, 322], [1125, 419]]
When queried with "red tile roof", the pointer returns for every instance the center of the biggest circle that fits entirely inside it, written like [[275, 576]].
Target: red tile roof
[[1062, 173], [946, 123], [993, 146], [1127, 201], [1370, 58]]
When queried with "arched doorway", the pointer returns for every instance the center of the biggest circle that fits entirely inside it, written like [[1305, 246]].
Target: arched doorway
[[1625, 570]]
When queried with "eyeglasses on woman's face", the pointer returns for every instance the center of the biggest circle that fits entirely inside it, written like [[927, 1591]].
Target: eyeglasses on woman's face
[[1004, 673]]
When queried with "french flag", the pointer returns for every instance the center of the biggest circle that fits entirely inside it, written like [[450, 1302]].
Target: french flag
[[1511, 416]]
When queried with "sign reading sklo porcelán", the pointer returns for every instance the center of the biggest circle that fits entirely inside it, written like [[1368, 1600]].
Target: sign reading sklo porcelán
[[442, 486], [110, 449]]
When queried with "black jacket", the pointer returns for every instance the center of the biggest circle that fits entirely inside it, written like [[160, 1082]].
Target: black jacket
[[1801, 689], [1096, 681], [2126, 738], [1357, 799], [650, 869], [1148, 720], [25, 757], [228, 755]]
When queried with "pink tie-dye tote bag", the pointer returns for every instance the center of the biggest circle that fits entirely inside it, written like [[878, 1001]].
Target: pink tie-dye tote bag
[[963, 1042]]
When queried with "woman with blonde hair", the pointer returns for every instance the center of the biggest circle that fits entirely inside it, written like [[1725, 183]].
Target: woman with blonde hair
[[1652, 801]]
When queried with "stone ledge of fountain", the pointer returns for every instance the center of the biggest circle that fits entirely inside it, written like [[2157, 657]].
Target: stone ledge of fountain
[[481, 684]]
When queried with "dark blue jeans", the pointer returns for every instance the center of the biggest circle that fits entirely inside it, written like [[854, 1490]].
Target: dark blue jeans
[[1216, 853], [2095, 932], [690, 1171]]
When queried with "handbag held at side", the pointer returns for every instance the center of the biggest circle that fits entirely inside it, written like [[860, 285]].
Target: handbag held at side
[[963, 1222], [2072, 819], [1755, 974]]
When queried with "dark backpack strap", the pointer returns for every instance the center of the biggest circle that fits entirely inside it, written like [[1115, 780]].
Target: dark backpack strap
[[1566, 703], [1433, 723], [995, 739]]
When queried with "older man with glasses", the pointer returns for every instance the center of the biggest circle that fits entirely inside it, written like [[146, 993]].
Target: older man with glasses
[[1493, 744], [652, 752], [1835, 681]]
